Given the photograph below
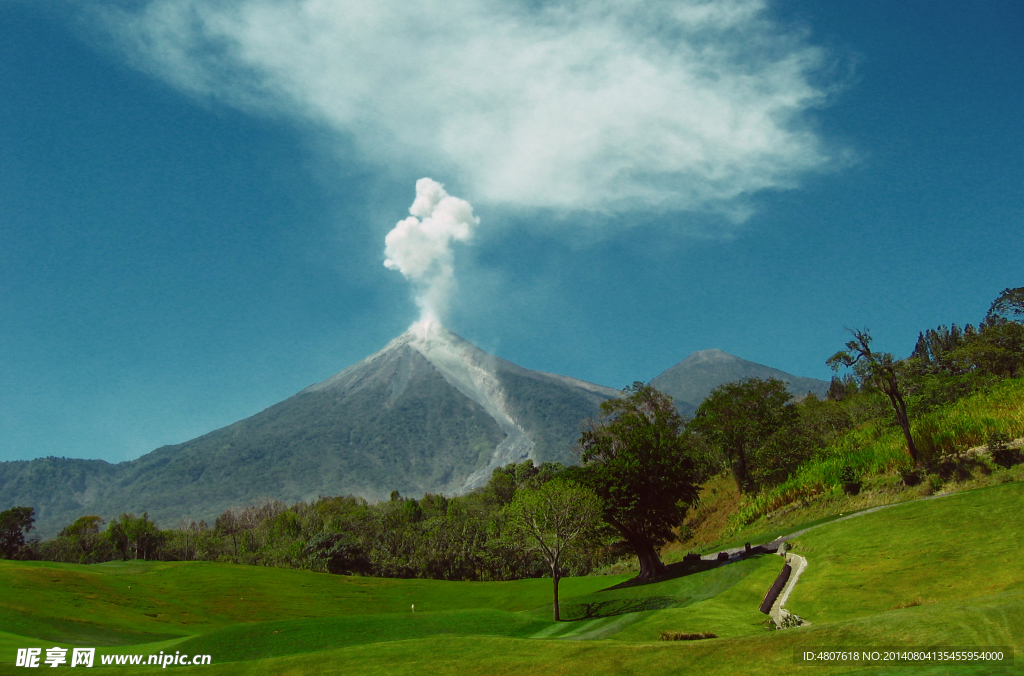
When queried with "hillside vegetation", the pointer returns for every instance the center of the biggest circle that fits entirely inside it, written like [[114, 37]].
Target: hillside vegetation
[[876, 450], [947, 418]]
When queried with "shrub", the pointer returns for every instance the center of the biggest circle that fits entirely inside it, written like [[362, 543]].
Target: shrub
[[338, 553], [1001, 453], [956, 466], [851, 482], [997, 441], [911, 476], [1007, 457], [787, 621]]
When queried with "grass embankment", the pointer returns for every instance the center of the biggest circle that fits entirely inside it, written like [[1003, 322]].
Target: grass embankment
[[935, 572]]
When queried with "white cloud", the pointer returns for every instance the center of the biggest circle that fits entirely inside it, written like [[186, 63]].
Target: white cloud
[[606, 105]]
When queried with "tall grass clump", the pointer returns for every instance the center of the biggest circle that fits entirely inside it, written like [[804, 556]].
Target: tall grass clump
[[968, 422], [877, 447]]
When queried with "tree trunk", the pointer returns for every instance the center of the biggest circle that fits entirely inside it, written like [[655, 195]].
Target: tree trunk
[[650, 563], [555, 577], [904, 422], [739, 470]]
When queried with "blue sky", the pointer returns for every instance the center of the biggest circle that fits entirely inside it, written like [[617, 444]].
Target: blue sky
[[194, 196]]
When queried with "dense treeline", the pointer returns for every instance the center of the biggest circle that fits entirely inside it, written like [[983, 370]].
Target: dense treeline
[[461, 538]]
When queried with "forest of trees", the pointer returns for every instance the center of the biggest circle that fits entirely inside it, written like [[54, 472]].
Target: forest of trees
[[641, 467]]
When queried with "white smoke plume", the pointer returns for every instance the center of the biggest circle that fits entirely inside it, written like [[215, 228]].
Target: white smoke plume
[[420, 247], [591, 105]]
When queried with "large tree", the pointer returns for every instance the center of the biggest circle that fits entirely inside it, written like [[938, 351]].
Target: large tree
[[881, 370], [741, 418], [637, 458], [999, 348], [553, 520], [14, 524]]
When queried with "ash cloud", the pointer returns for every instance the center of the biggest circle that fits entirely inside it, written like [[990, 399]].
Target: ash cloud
[[420, 247]]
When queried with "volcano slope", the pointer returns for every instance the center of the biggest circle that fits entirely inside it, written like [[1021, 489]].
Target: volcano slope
[[940, 572]]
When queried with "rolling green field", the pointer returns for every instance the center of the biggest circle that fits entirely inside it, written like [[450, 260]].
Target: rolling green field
[[938, 572]]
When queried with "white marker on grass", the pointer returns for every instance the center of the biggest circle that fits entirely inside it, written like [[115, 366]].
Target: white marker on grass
[[414, 607]]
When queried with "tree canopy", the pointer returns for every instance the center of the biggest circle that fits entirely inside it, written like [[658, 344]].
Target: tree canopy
[[1008, 306], [742, 418], [133, 533], [637, 458]]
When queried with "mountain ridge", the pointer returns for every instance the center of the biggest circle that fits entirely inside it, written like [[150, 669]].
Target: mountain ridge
[[428, 413]]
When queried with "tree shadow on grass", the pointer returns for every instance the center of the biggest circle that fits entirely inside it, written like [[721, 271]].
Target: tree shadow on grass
[[672, 571], [684, 568], [599, 609], [588, 610]]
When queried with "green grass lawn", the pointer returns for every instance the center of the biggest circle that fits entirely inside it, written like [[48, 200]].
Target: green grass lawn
[[935, 572], [945, 550]]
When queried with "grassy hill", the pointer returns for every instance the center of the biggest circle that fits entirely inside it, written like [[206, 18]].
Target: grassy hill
[[941, 571]]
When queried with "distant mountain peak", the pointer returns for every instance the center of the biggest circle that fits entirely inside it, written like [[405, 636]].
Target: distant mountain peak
[[710, 355], [695, 377]]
